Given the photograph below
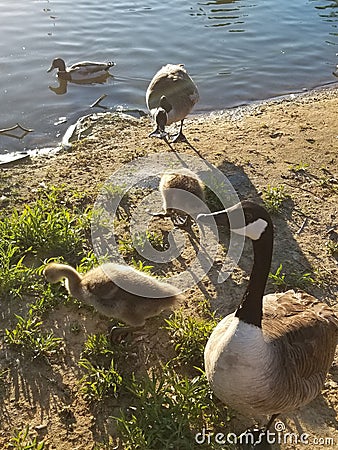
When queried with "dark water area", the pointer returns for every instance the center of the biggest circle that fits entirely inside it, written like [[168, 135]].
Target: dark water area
[[237, 51]]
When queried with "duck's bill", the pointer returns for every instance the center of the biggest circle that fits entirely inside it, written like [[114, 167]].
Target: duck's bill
[[50, 69]]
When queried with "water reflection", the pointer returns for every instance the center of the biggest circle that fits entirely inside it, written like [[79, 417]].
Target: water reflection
[[237, 51], [223, 13], [329, 13], [61, 88], [331, 9]]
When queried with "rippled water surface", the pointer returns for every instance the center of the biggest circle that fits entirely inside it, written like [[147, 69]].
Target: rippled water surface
[[236, 50]]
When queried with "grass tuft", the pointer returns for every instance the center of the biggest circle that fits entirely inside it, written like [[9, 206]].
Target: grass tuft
[[27, 336], [189, 335], [15, 278], [99, 382], [167, 411], [283, 281], [46, 228], [21, 440], [273, 197]]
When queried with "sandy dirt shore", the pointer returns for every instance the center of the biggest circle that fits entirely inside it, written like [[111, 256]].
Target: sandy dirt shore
[[291, 143]]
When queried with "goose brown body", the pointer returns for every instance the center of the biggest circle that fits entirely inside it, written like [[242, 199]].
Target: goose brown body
[[285, 368], [272, 355], [101, 288], [170, 96]]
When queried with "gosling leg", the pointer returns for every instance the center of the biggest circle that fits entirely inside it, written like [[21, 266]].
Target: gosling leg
[[116, 334]]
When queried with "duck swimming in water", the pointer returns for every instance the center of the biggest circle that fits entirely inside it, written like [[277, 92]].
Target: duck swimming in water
[[81, 71]]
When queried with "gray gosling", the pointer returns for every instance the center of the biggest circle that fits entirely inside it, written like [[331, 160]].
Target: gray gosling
[[140, 297], [170, 97], [176, 204]]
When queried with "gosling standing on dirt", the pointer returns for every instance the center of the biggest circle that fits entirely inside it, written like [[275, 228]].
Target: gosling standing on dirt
[[175, 202], [170, 97], [117, 291]]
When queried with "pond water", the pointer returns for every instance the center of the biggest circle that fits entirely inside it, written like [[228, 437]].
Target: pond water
[[237, 51]]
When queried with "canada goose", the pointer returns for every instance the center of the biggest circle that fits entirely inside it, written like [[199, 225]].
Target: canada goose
[[175, 202], [170, 97], [111, 288], [81, 71], [272, 354]]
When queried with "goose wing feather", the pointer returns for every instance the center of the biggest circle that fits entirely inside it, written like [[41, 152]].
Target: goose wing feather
[[303, 327], [173, 82]]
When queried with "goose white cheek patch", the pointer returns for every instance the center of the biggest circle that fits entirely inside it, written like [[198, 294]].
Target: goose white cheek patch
[[253, 230]]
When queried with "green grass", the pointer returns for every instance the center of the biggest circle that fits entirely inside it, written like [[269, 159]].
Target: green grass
[[301, 167], [139, 265], [273, 197], [133, 246], [281, 280], [278, 278], [96, 347], [189, 336], [46, 228], [28, 336], [21, 440], [167, 411], [15, 278], [329, 182], [99, 382], [332, 247]]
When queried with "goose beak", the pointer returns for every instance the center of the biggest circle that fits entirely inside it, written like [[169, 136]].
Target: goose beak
[[220, 217]]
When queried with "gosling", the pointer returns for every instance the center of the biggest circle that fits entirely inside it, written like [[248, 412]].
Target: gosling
[[117, 291], [176, 203]]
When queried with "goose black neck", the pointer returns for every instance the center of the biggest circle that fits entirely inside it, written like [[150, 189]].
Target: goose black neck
[[250, 311]]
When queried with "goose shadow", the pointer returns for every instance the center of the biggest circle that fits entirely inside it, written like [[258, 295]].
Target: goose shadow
[[286, 250]]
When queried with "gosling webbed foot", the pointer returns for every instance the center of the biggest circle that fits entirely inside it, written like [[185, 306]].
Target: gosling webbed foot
[[181, 221], [118, 334]]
